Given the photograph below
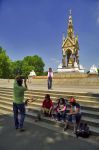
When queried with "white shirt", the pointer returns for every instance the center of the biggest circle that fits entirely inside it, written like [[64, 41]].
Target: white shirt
[[50, 74]]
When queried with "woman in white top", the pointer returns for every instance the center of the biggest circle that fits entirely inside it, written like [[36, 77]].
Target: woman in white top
[[50, 76]]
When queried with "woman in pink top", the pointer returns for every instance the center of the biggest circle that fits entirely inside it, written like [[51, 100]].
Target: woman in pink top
[[50, 76], [61, 109]]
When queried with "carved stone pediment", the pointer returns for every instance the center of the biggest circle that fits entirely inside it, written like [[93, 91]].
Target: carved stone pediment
[[68, 43]]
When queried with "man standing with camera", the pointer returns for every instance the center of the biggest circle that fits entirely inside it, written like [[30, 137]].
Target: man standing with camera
[[18, 102]]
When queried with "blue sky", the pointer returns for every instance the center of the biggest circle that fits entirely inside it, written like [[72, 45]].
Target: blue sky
[[29, 27]]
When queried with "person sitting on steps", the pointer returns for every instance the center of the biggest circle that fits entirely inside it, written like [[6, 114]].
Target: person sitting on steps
[[47, 106], [60, 109], [74, 115]]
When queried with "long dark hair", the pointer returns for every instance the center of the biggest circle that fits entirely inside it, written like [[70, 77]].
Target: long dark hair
[[50, 69], [61, 101], [47, 96]]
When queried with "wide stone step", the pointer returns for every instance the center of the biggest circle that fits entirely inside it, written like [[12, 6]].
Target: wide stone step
[[5, 112], [94, 130], [88, 102], [81, 101], [6, 108], [9, 109], [95, 105], [27, 94], [89, 120], [9, 95], [57, 92], [6, 103], [62, 80], [93, 114], [41, 98], [90, 108], [85, 113], [39, 103], [66, 95], [53, 98]]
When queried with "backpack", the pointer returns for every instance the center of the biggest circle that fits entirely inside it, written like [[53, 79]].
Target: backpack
[[83, 130]]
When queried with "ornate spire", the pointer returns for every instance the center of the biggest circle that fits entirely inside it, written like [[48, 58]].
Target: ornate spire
[[70, 32]]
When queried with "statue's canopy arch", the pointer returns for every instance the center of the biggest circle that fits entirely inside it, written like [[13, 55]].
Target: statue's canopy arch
[[68, 52]]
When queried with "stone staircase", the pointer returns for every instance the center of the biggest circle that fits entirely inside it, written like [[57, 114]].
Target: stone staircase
[[89, 105]]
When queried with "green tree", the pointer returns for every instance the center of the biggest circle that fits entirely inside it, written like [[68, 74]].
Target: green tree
[[98, 70], [5, 64], [35, 63], [17, 67], [9, 69], [26, 69]]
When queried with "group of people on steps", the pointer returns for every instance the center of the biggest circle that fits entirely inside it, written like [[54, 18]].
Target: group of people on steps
[[63, 110]]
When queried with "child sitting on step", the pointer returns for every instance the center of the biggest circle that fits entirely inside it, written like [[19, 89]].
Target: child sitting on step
[[60, 110]]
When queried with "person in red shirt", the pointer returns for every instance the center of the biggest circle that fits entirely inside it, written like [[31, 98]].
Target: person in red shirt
[[47, 105]]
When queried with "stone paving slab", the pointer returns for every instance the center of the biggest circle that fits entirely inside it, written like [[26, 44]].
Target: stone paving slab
[[37, 138], [70, 88]]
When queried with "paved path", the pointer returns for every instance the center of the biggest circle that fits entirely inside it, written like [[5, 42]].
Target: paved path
[[37, 138], [83, 89]]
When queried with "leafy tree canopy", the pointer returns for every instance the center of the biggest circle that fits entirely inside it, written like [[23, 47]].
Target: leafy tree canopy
[[5, 64], [9, 69], [36, 62]]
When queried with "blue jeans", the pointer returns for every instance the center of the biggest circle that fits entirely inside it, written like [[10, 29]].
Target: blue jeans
[[49, 82], [19, 108], [74, 118], [61, 115]]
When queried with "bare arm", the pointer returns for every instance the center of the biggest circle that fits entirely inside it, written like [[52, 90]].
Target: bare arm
[[25, 83], [74, 113]]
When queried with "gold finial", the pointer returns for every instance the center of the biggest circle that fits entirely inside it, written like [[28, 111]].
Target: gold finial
[[70, 11]]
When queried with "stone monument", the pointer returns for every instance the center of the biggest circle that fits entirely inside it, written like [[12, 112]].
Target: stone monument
[[93, 70], [32, 74], [70, 51]]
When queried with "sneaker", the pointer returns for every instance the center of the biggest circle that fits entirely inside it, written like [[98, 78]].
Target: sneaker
[[22, 130], [36, 120], [62, 121], [39, 117], [56, 119], [66, 128]]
